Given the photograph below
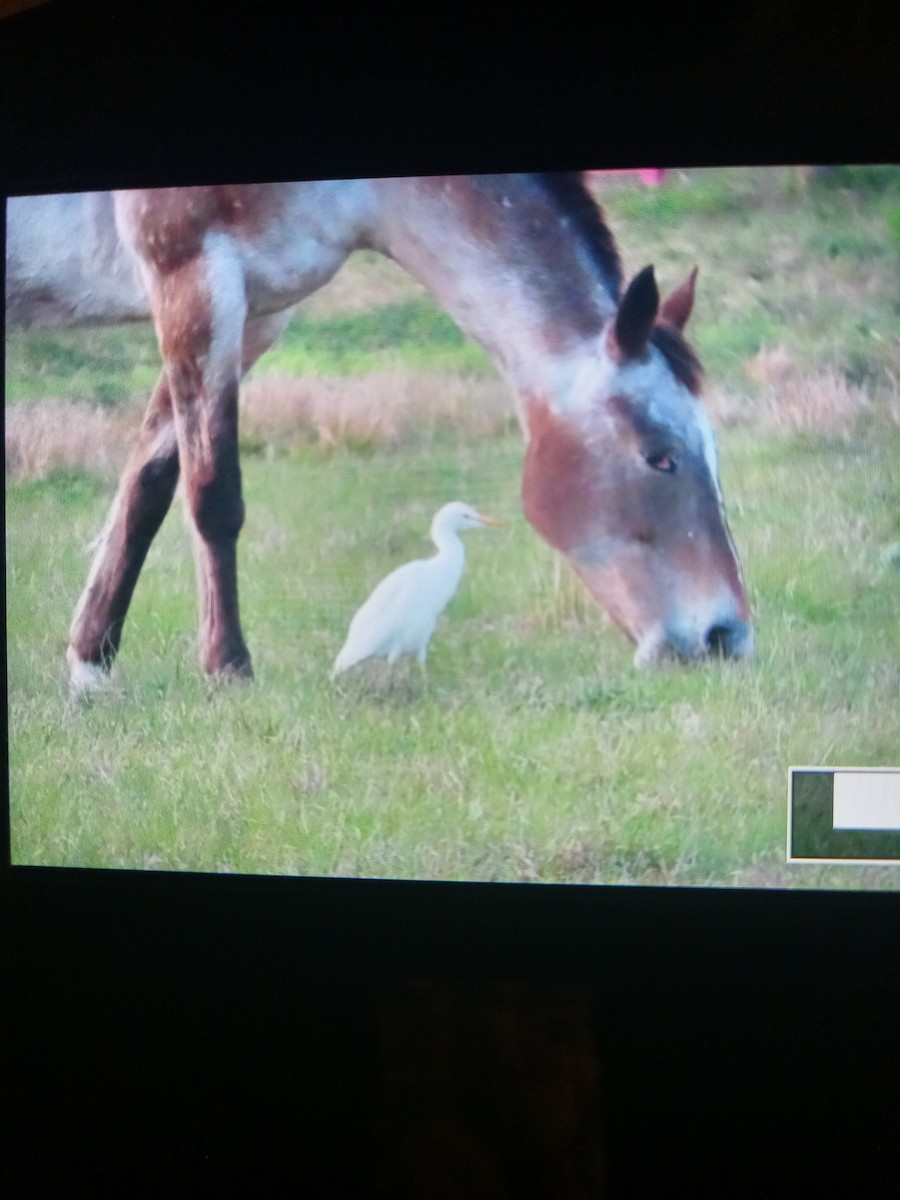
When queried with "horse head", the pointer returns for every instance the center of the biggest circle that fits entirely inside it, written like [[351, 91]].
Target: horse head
[[621, 477]]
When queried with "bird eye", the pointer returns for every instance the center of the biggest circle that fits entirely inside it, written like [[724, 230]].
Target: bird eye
[[661, 462]]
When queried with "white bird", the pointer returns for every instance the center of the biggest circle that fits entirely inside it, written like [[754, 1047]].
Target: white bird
[[400, 615]]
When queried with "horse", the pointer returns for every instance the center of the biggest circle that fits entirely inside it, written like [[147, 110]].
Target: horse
[[620, 471]]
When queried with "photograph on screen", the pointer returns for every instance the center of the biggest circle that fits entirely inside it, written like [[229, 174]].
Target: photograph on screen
[[527, 528]]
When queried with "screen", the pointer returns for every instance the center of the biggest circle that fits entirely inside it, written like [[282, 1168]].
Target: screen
[[530, 528]]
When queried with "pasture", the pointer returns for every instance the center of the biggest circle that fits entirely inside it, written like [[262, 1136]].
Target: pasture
[[536, 752]]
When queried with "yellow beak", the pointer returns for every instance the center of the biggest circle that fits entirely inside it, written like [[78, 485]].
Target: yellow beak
[[492, 521]]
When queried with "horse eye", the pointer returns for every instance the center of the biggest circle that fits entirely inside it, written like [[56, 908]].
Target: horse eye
[[661, 462]]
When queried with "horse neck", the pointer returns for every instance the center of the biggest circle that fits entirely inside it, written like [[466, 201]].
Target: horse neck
[[506, 263]]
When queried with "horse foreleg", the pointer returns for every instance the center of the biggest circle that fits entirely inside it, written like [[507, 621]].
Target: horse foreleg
[[207, 346], [208, 445], [142, 501], [208, 431]]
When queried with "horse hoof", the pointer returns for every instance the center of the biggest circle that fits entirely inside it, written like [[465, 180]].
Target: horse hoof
[[232, 672], [86, 679]]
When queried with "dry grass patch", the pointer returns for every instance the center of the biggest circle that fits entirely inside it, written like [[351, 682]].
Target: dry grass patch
[[388, 407], [385, 408], [821, 402], [55, 436], [401, 405], [772, 367], [794, 400]]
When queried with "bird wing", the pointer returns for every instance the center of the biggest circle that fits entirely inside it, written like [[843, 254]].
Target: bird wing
[[379, 620], [388, 595]]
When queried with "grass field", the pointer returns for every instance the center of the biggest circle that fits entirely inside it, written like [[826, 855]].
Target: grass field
[[536, 751]]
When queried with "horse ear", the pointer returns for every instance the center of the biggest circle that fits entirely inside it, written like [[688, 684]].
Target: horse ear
[[677, 308], [637, 312]]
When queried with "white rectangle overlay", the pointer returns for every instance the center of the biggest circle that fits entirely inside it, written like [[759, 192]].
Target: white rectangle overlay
[[867, 800]]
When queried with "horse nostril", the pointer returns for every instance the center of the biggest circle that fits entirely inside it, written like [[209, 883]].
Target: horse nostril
[[729, 639], [720, 641]]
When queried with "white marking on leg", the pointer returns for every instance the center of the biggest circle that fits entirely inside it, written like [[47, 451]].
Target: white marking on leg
[[228, 301], [85, 678]]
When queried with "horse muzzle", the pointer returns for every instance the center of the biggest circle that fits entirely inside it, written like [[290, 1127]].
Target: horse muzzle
[[726, 638], [691, 630]]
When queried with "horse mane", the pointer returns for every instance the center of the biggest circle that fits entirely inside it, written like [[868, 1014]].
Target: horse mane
[[569, 192], [680, 356]]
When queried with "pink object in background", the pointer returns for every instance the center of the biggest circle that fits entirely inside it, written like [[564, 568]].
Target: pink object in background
[[650, 176]]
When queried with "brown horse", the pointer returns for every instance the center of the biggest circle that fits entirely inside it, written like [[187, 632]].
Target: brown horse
[[620, 468]]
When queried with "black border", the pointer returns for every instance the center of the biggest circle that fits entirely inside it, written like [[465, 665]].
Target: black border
[[174, 1032]]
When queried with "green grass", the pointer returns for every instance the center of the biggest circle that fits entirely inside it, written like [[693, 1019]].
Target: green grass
[[810, 269], [109, 366], [356, 343], [100, 366], [871, 178], [536, 751]]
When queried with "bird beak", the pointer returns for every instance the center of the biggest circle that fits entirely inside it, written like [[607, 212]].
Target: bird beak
[[492, 521]]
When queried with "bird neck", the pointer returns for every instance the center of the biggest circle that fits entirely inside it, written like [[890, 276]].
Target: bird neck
[[449, 543]]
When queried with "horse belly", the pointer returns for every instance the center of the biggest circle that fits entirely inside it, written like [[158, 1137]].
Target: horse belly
[[273, 283]]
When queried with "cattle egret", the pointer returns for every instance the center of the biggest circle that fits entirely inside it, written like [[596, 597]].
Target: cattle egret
[[400, 615]]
